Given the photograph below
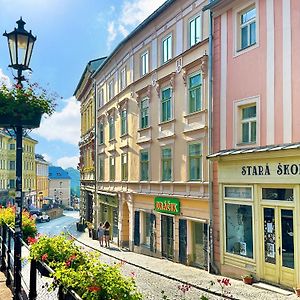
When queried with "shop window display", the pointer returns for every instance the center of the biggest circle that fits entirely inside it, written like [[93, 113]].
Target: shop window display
[[239, 231]]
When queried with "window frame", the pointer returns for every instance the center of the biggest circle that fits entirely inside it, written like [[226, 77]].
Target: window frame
[[101, 133], [199, 15], [200, 157], [248, 25], [144, 63], [124, 122], [169, 49], [123, 81], [124, 166], [147, 109], [112, 168], [111, 127], [166, 160], [236, 25], [200, 86], [101, 168], [144, 162], [166, 101], [248, 121], [245, 201], [111, 89]]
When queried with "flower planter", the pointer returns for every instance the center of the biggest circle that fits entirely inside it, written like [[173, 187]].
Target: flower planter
[[297, 291], [248, 280], [28, 120], [42, 268]]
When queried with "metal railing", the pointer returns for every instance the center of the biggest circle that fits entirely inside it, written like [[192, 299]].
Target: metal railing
[[35, 275]]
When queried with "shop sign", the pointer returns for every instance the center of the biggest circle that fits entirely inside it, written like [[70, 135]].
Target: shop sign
[[266, 170], [167, 205]]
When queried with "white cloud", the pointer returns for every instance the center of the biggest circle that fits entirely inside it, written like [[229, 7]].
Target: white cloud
[[112, 33], [4, 79], [63, 126], [132, 13], [47, 157], [67, 162]]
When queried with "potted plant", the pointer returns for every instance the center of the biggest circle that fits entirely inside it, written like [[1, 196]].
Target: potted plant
[[247, 279], [24, 106]]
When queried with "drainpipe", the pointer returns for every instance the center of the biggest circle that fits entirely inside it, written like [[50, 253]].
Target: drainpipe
[[212, 268], [95, 148]]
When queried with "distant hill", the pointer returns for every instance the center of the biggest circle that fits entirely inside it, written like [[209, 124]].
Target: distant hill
[[75, 181]]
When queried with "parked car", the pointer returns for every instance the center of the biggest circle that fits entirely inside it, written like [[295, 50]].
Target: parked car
[[39, 216], [70, 208]]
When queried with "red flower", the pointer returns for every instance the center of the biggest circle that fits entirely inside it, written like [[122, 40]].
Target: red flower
[[94, 288], [31, 240], [68, 263], [45, 257], [72, 257]]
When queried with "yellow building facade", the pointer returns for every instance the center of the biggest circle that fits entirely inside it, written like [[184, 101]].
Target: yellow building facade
[[152, 137], [8, 165], [86, 95], [42, 181]]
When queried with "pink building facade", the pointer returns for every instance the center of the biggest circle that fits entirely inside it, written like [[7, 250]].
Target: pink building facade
[[256, 139]]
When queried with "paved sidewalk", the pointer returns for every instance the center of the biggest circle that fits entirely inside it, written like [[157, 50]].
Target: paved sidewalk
[[163, 270], [5, 292]]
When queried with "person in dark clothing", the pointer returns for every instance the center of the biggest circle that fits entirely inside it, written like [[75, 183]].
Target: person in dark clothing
[[106, 227]]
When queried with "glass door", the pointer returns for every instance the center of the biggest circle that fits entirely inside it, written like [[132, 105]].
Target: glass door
[[279, 245], [167, 236]]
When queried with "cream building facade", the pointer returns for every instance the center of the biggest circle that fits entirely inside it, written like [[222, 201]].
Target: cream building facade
[[152, 136], [42, 182]]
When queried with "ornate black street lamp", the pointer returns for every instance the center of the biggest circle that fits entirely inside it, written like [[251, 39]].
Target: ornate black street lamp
[[20, 44]]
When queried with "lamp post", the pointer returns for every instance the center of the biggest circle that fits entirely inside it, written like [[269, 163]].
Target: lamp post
[[20, 45]]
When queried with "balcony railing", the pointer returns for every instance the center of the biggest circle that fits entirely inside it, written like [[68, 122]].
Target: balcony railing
[[35, 275]]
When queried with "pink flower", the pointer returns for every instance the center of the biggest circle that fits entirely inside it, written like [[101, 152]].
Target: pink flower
[[31, 240], [44, 257], [132, 274]]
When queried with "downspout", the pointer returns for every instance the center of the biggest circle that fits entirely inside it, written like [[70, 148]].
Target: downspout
[[212, 268], [95, 150]]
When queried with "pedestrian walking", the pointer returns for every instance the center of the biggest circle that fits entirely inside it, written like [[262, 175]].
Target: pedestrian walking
[[106, 227], [100, 234]]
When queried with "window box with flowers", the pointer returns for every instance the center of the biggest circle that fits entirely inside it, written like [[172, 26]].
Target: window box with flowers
[[24, 106]]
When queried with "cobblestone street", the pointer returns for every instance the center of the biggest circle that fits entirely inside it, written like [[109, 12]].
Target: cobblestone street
[[156, 276]]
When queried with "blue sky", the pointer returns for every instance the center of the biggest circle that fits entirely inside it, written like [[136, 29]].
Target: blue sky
[[69, 34]]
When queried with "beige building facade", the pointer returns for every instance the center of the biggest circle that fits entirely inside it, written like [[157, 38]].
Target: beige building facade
[[152, 136]]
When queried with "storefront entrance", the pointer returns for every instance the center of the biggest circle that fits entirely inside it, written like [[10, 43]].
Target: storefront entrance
[[278, 245], [167, 236]]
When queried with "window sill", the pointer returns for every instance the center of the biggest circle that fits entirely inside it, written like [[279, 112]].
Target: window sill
[[166, 122], [245, 50], [195, 113], [125, 135], [144, 129], [246, 144], [113, 140]]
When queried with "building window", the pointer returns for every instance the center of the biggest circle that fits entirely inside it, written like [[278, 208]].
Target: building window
[[111, 128], [238, 220], [144, 113], [195, 93], [239, 231], [148, 230], [195, 31], [12, 147], [247, 27], [123, 82], [195, 161], [144, 162], [248, 124], [12, 165], [167, 49], [112, 168], [124, 166], [111, 90], [166, 105], [101, 168], [12, 184], [166, 164], [123, 121], [101, 133], [101, 98], [144, 63]]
